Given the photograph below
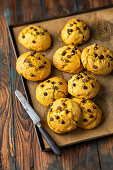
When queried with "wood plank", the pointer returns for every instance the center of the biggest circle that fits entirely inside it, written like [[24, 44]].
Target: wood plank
[[7, 147]]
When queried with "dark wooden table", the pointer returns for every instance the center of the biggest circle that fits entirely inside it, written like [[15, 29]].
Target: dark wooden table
[[19, 149]]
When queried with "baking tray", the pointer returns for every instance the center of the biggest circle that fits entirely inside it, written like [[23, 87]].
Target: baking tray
[[101, 24]]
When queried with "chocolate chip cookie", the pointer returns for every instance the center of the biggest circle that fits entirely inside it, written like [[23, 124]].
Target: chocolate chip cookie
[[97, 59], [83, 85], [68, 59], [33, 66], [75, 32], [35, 38], [63, 115], [50, 90], [91, 114]]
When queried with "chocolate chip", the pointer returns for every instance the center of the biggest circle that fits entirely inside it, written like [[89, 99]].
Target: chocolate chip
[[23, 36], [68, 48], [52, 82], [73, 51], [50, 109], [101, 57], [31, 27], [57, 117], [32, 75], [66, 111], [67, 61], [85, 74], [75, 48], [37, 32], [27, 61], [80, 32], [42, 66], [88, 77], [48, 81], [111, 59], [80, 76], [43, 54], [85, 80], [77, 28], [92, 85], [33, 41], [85, 87], [68, 56], [64, 52], [74, 22], [62, 122], [63, 104], [42, 85], [94, 107], [45, 93], [83, 101], [83, 41], [85, 27], [51, 119], [50, 104], [71, 25], [60, 82], [39, 67], [78, 20], [45, 30], [88, 110], [44, 62], [55, 88], [30, 65], [59, 108], [38, 58], [35, 29], [76, 121], [91, 116], [53, 99], [108, 56], [84, 120], [95, 67], [74, 84], [77, 77], [95, 55], [31, 53], [69, 31], [95, 48], [42, 33]]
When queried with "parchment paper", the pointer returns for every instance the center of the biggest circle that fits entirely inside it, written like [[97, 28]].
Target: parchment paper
[[101, 24]]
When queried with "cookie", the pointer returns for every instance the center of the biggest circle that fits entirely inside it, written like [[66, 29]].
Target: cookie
[[82, 85], [68, 59], [50, 90], [91, 114], [97, 59], [35, 38], [33, 66], [63, 115], [75, 32]]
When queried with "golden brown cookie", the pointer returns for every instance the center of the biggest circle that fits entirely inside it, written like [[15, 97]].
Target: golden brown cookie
[[68, 59], [91, 114], [35, 38], [83, 85], [97, 59], [50, 90], [63, 115], [33, 66], [75, 32]]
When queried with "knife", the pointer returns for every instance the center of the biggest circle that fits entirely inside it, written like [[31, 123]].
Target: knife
[[36, 120]]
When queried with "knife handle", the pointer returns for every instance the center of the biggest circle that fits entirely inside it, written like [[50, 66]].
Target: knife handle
[[55, 148]]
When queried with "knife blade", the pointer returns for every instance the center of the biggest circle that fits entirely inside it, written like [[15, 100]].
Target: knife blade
[[36, 120]]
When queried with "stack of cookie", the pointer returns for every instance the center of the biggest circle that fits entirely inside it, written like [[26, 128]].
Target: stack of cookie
[[65, 114]]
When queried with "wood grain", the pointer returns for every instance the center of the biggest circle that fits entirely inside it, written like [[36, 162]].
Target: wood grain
[[19, 147]]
